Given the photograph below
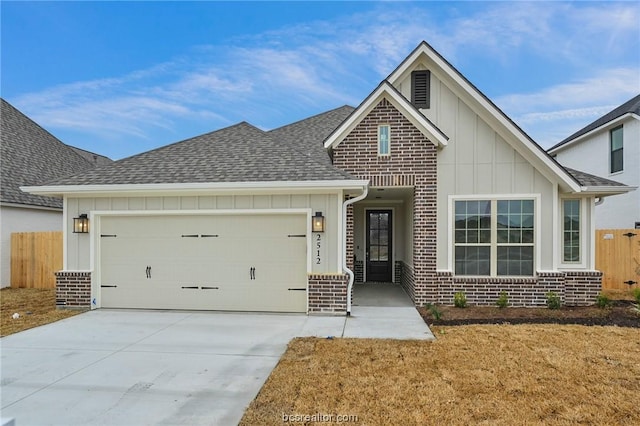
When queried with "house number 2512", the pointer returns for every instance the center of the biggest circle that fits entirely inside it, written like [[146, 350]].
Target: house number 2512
[[318, 246]]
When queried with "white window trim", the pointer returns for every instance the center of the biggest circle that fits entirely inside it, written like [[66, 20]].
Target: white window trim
[[584, 227], [387, 154], [537, 246]]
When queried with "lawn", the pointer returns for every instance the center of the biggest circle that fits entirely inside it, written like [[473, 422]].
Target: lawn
[[35, 306], [475, 374]]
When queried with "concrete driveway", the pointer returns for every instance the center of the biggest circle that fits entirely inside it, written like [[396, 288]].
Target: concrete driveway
[[150, 367]]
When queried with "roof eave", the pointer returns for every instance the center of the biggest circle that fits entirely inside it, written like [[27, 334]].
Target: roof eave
[[563, 145], [385, 89], [603, 191], [196, 188]]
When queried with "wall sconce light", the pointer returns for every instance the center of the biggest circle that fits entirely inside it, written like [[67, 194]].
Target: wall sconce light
[[317, 222], [81, 224]]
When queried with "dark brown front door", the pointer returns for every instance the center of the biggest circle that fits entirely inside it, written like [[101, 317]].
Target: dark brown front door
[[379, 245]]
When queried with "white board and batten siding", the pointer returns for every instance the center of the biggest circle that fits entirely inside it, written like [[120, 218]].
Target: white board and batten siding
[[251, 252], [479, 161]]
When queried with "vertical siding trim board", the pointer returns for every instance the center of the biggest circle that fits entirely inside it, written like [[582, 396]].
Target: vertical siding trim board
[[73, 289], [328, 294], [574, 288]]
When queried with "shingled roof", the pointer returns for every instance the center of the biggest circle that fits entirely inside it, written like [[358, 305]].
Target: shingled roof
[[32, 156], [587, 179], [239, 153], [631, 106]]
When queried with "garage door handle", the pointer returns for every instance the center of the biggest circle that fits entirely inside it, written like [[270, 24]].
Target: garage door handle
[[252, 273], [148, 272], [108, 286], [297, 289], [210, 288]]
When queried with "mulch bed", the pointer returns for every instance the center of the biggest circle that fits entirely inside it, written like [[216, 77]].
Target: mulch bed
[[620, 314]]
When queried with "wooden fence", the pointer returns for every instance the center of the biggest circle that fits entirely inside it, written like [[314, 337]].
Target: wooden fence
[[618, 257], [35, 257]]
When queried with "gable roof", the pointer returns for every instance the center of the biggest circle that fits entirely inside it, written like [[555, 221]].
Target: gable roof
[[632, 106], [239, 153], [385, 90], [484, 107], [32, 156]]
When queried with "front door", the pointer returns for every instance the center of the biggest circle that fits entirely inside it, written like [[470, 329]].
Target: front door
[[379, 245]]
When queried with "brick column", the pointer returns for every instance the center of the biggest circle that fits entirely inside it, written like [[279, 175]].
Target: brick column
[[328, 294], [73, 289]]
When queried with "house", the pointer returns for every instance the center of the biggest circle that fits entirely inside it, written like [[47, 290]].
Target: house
[[31, 156], [426, 184], [609, 147]]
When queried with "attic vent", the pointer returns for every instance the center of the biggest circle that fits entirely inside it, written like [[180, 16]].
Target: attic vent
[[420, 88]]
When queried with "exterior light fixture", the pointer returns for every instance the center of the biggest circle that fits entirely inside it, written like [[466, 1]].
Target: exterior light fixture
[[317, 222], [81, 224]]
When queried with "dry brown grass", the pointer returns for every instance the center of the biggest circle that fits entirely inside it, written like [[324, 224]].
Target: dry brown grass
[[482, 374], [35, 306]]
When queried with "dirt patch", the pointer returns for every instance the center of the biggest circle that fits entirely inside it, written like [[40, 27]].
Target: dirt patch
[[490, 374], [34, 306], [620, 313]]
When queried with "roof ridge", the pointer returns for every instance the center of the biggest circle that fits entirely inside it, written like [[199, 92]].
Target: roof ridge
[[310, 117], [190, 139], [631, 106]]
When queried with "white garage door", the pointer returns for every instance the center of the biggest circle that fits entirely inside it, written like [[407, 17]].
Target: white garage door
[[237, 263]]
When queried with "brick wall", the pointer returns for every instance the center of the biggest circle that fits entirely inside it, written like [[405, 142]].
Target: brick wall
[[328, 294], [573, 288], [358, 271], [582, 287], [73, 289], [407, 280], [412, 163]]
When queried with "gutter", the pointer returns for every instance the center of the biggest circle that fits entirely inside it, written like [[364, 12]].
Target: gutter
[[349, 272]]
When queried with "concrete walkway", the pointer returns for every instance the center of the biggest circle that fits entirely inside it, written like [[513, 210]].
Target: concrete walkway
[[127, 367]]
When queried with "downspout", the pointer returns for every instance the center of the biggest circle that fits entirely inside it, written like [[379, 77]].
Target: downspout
[[348, 271], [599, 201]]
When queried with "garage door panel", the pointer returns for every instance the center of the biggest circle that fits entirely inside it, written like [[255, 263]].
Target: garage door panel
[[204, 262]]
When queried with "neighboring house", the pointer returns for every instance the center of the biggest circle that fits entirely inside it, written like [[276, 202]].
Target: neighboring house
[[610, 147], [426, 184], [30, 156]]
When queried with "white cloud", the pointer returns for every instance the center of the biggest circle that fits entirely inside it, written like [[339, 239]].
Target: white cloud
[[265, 78], [554, 113]]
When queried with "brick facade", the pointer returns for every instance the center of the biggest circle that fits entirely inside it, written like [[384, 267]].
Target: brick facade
[[328, 294], [578, 288], [413, 162], [73, 289]]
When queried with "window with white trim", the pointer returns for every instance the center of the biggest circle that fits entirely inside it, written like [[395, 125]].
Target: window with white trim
[[571, 231], [494, 237], [384, 138], [617, 161]]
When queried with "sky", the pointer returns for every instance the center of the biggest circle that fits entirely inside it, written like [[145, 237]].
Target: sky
[[120, 78]]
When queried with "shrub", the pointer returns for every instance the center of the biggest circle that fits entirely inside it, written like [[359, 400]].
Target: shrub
[[460, 300], [434, 311], [603, 301], [553, 300], [503, 300], [636, 294]]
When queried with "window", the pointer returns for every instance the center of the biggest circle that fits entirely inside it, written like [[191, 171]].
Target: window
[[571, 231], [616, 150], [494, 237], [383, 139], [420, 88]]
